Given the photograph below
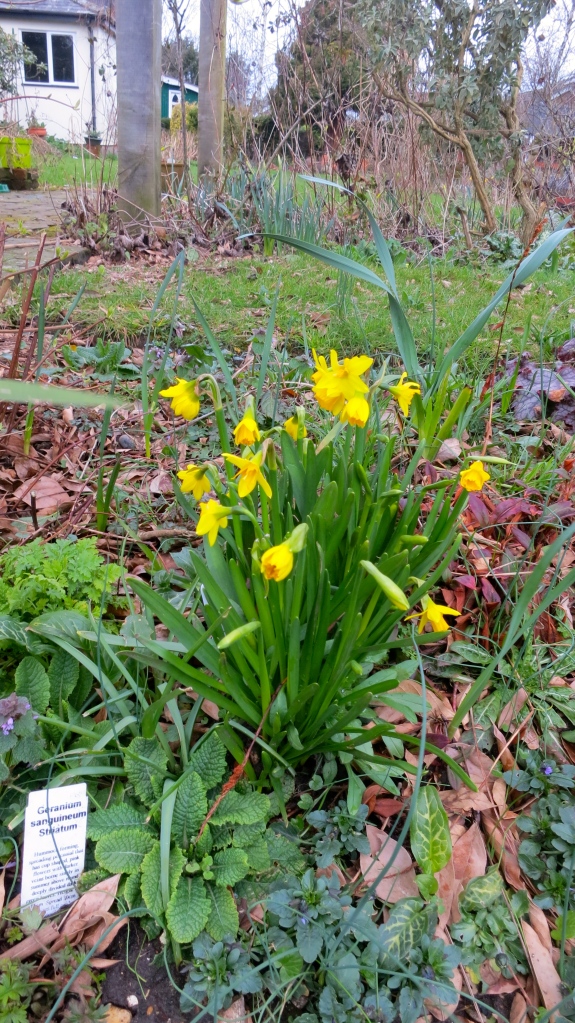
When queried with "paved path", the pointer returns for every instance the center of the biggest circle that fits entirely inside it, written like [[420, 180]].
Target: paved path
[[27, 215]]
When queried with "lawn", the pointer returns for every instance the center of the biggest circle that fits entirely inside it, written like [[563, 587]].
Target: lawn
[[235, 296], [76, 167]]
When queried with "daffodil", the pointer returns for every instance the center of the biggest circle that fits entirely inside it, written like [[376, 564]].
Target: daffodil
[[472, 479], [277, 562], [291, 426], [432, 614], [194, 481], [404, 392], [213, 517], [249, 474], [340, 382], [355, 412], [185, 398], [247, 431]]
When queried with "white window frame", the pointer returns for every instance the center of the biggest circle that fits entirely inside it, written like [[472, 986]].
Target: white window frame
[[49, 33]]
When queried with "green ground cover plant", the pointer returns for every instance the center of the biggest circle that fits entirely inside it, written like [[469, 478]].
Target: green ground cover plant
[[270, 769]]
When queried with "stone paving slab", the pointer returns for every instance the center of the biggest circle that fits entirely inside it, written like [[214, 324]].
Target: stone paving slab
[[27, 216]]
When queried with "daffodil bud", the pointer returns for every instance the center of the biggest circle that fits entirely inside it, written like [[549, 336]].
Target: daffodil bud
[[392, 591]]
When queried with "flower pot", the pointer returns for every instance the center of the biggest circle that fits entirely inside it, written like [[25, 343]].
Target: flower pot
[[93, 145], [39, 133]]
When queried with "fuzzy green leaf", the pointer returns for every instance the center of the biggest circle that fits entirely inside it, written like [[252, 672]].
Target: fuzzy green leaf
[[429, 832], [28, 751], [481, 892], [188, 909], [151, 867], [230, 866], [408, 921], [258, 854], [242, 808], [209, 761], [33, 682], [120, 815], [223, 920], [132, 891], [146, 777], [83, 689], [122, 852], [64, 672], [190, 809]]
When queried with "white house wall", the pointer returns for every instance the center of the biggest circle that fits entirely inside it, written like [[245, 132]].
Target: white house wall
[[66, 109]]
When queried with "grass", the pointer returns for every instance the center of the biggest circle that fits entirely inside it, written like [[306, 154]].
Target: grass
[[64, 170], [235, 296]]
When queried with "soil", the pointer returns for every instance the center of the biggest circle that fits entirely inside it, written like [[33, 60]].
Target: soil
[[137, 975]]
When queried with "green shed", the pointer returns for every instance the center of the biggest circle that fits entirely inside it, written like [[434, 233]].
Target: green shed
[[172, 94]]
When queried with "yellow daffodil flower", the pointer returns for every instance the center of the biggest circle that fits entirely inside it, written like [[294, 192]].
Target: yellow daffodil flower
[[432, 614], [250, 474], [277, 562], [355, 412], [247, 431], [291, 426], [472, 479], [194, 481], [340, 382], [185, 398], [213, 517], [404, 392]]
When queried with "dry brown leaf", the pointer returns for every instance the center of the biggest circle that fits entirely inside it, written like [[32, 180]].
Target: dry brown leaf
[[399, 881], [469, 854], [2, 891], [440, 706], [88, 918], [49, 495], [505, 845], [82, 985], [34, 943], [447, 892], [539, 923], [518, 1011], [103, 964], [505, 755], [543, 969], [502, 986], [449, 451], [512, 708], [462, 799]]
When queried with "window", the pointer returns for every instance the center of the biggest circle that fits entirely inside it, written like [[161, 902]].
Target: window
[[54, 57]]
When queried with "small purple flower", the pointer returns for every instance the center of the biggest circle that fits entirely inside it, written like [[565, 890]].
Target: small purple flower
[[28, 706], [8, 726], [547, 769], [303, 921]]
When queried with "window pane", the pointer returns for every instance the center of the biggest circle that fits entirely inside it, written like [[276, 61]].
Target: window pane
[[37, 43], [63, 58]]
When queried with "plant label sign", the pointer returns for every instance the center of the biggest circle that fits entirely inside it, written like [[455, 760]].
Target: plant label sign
[[54, 847]]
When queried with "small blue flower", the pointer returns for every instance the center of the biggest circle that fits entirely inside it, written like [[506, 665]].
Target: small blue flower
[[547, 769], [303, 921]]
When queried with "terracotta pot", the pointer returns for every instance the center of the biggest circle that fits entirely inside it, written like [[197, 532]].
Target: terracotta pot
[[40, 133]]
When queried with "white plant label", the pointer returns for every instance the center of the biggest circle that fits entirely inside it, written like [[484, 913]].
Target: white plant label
[[54, 847]]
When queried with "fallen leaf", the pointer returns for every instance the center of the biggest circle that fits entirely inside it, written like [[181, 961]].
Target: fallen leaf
[[518, 1011], [397, 882], [447, 891], [82, 985], [49, 495], [443, 1010], [502, 986], [542, 966], [511, 709], [449, 451], [89, 916], [505, 755], [387, 807], [505, 846], [39, 941], [469, 855], [539, 923]]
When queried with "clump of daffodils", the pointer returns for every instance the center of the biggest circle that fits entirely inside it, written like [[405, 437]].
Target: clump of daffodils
[[340, 388]]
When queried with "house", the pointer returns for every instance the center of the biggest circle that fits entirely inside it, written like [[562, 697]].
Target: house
[[71, 88], [172, 94]]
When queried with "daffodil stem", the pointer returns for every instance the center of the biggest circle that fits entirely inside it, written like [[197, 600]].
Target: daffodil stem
[[366, 617], [265, 511], [224, 439], [277, 532]]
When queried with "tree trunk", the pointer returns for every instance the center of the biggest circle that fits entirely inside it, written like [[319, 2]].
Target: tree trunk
[[139, 56], [211, 84], [480, 191]]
